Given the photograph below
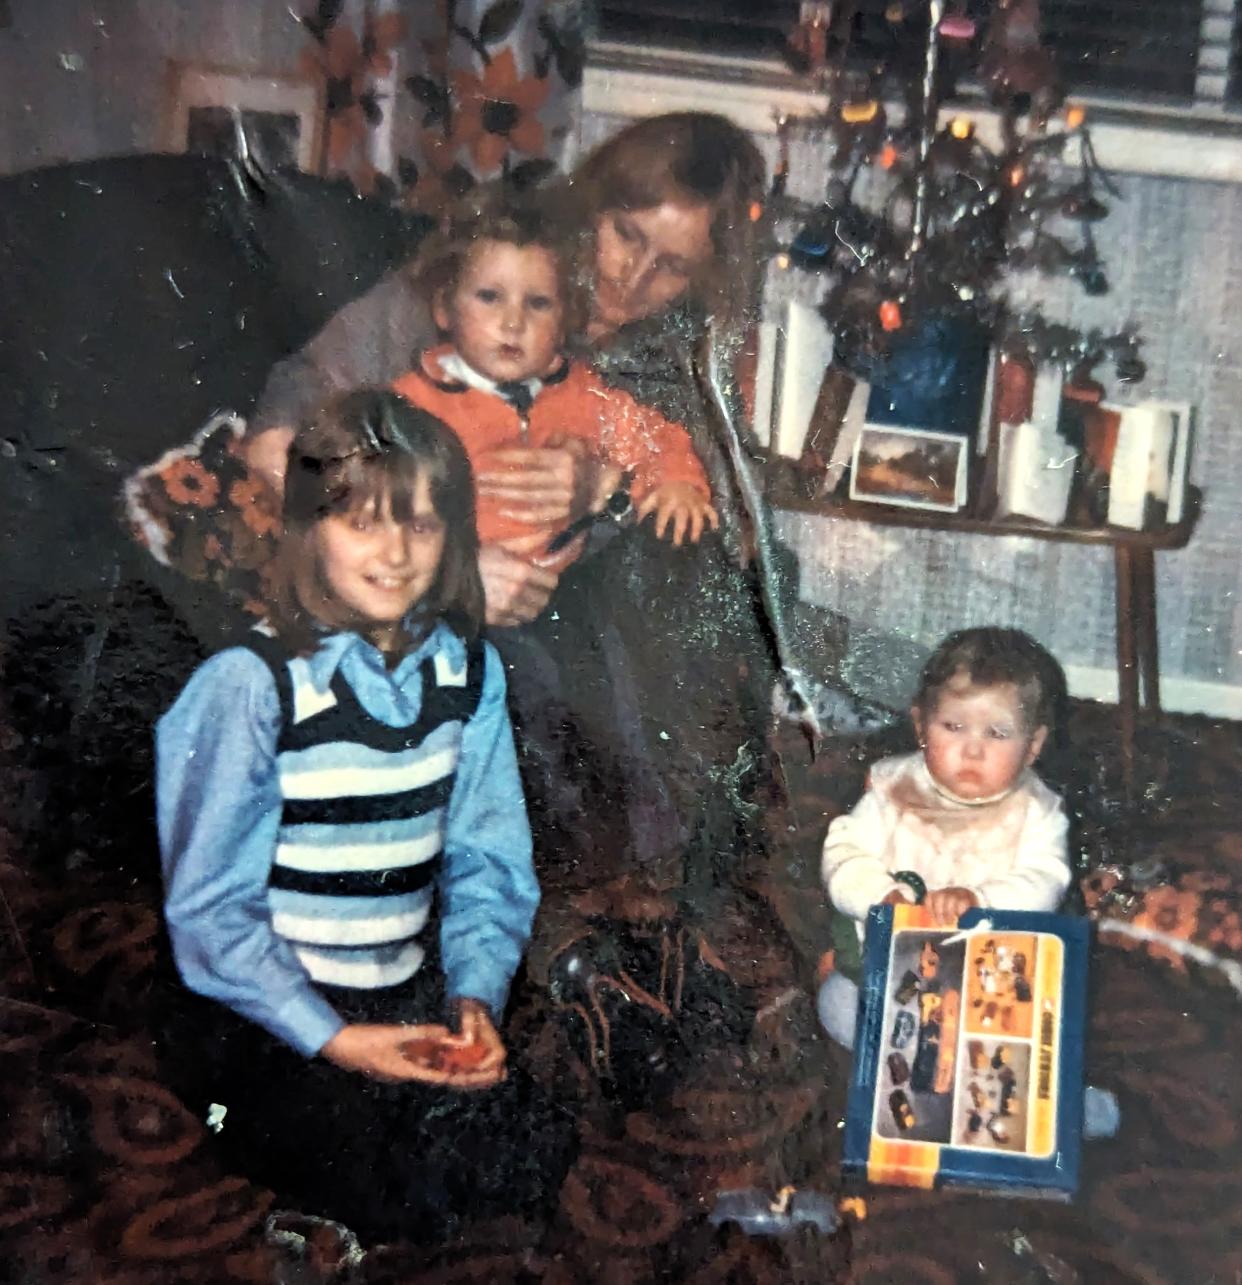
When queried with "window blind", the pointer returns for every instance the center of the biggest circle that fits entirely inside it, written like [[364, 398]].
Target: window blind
[[1172, 51], [1144, 48]]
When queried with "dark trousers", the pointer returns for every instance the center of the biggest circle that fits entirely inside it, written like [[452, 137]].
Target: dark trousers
[[640, 700], [391, 1161]]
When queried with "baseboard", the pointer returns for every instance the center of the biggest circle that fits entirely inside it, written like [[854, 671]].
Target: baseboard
[[1177, 695]]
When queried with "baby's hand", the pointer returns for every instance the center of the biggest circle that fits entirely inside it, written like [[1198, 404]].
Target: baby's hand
[[947, 905], [683, 506]]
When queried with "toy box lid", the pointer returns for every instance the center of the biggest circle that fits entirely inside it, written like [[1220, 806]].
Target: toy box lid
[[968, 1059]]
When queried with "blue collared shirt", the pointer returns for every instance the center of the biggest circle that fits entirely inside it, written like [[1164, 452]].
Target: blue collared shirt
[[218, 806]]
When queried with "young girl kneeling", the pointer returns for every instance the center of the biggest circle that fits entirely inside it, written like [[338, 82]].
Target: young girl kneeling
[[347, 856]]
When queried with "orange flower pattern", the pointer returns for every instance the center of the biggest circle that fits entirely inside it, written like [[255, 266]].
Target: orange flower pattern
[[200, 511], [497, 112], [257, 505], [1197, 906], [348, 66], [188, 482], [485, 88]]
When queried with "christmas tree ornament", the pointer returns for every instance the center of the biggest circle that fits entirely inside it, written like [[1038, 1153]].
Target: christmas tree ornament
[[860, 113], [1014, 59], [916, 259], [957, 26], [780, 172], [807, 45]]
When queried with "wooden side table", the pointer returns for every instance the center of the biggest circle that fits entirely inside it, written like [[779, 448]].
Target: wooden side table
[[1134, 554]]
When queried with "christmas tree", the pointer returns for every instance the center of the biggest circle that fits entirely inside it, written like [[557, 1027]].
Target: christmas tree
[[923, 221]]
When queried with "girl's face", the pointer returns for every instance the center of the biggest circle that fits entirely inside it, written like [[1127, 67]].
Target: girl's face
[[505, 313], [646, 259], [975, 740], [376, 567]]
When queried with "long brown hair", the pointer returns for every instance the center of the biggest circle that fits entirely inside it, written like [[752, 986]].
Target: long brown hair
[[691, 158], [359, 446]]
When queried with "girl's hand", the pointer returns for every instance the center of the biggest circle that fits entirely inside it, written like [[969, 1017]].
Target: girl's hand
[[475, 1028], [375, 1051], [948, 904], [682, 508]]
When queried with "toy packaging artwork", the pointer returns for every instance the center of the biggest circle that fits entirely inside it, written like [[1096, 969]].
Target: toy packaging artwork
[[968, 1062]]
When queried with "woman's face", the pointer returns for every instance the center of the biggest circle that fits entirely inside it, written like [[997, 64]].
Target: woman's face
[[646, 259]]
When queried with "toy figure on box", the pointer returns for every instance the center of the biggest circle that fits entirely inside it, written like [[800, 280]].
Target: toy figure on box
[[346, 853], [965, 821]]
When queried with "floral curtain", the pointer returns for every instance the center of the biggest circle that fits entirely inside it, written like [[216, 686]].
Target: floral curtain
[[425, 99]]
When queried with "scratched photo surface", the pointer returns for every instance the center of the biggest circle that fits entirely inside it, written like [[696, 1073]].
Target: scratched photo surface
[[435, 635]]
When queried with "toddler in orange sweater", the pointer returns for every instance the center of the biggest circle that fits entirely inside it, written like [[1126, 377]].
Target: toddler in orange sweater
[[498, 276]]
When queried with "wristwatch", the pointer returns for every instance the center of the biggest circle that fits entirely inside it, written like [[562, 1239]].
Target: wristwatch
[[617, 507]]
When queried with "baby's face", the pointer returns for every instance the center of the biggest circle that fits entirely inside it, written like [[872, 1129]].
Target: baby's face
[[505, 315], [976, 741]]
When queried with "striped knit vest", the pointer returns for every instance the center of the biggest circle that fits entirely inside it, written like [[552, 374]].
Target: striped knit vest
[[362, 820]]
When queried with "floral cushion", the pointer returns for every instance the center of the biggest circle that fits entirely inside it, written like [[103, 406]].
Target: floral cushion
[[199, 510]]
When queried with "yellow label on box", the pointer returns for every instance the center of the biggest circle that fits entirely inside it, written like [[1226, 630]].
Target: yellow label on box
[[1043, 1113]]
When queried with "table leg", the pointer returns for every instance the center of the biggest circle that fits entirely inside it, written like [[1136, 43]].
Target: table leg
[[1147, 636], [1127, 664]]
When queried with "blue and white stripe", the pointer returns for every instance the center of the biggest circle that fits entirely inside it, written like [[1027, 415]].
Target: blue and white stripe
[[362, 828]]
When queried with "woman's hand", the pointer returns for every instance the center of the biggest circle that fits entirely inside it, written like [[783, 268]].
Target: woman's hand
[[515, 590], [548, 485], [475, 1027], [682, 508], [267, 453], [947, 905], [375, 1051]]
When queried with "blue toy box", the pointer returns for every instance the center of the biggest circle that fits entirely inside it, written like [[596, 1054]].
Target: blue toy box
[[968, 1062]]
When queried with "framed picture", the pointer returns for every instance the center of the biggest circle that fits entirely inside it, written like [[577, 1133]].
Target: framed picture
[[212, 112], [914, 468]]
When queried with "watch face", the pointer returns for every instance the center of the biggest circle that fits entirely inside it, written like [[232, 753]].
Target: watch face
[[618, 504]]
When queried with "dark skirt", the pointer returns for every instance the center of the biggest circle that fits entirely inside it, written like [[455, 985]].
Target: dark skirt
[[391, 1161]]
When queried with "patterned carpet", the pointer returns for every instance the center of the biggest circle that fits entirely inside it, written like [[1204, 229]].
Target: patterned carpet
[[106, 1178]]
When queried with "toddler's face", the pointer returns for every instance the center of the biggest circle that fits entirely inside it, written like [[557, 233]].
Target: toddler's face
[[976, 741], [505, 313]]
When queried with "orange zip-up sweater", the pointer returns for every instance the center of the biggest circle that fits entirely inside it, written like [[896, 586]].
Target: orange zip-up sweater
[[573, 402]]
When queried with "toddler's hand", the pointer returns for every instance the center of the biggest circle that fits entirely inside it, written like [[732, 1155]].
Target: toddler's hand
[[681, 507], [948, 904]]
